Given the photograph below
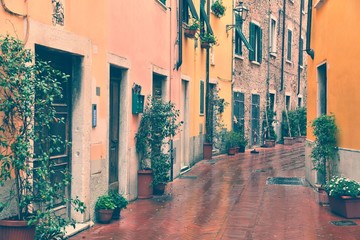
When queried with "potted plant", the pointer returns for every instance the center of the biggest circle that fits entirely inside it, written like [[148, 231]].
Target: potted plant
[[191, 28], [218, 8], [159, 123], [232, 142], [104, 208], [120, 203], [324, 152], [28, 93], [207, 40], [268, 128], [302, 124], [344, 196], [242, 142], [288, 127]]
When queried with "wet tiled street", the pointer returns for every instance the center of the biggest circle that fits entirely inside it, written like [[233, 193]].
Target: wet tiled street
[[228, 198]]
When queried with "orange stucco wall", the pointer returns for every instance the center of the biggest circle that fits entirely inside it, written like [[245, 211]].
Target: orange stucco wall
[[335, 39]]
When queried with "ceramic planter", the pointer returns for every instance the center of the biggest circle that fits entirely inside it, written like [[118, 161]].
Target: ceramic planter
[[289, 140], [145, 178], [269, 143], [190, 33], [16, 230], [104, 215], [345, 206], [207, 150]]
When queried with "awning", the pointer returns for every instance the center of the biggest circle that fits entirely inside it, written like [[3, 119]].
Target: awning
[[192, 9], [243, 38]]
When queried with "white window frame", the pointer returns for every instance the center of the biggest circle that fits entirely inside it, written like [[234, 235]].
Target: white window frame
[[273, 36]]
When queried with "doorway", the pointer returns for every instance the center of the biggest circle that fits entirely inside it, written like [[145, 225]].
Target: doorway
[[114, 126], [184, 109], [255, 119]]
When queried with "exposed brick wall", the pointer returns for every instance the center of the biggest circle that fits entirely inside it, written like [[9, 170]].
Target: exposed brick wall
[[251, 78]]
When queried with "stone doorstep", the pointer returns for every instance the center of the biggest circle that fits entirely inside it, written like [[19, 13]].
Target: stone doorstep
[[79, 227]]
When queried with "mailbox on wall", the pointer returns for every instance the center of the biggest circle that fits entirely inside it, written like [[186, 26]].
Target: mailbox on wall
[[137, 100]]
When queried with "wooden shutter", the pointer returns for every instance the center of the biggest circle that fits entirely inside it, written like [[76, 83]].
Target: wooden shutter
[[259, 55], [289, 45], [252, 41]]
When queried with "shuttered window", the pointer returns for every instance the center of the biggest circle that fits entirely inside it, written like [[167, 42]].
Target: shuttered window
[[256, 43], [301, 55], [202, 100], [289, 47], [239, 112], [238, 41]]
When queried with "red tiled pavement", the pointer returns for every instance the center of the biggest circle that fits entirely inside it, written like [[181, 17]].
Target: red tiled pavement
[[229, 199]]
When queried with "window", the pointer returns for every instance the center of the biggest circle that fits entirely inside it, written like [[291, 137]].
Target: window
[[301, 51], [256, 43], [287, 99], [202, 105], [289, 45], [239, 112], [273, 36], [238, 42], [299, 102], [158, 81]]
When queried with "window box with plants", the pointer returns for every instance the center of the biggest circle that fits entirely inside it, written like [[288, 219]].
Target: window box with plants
[[191, 29], [344, 196], [159, 123], [104, 208], [28, 198], [218, 8], [207, 40]]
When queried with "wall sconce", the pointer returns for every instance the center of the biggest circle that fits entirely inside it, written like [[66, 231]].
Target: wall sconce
[[242, 11]]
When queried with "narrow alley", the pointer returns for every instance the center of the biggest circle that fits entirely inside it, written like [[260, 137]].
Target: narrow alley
[[233, 197]]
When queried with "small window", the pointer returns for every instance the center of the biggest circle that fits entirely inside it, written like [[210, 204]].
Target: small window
[[256, 43], [272, 101], [301, 52], [289, 46], [239, 112], [158, 86], [202, 100], [287, 102], [273, 36], [299, 102]]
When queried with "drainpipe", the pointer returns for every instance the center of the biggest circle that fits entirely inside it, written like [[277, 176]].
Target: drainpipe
[[170, 86], [207, 98], [309, 51], [299, 68], [282, 48], [180, 20]]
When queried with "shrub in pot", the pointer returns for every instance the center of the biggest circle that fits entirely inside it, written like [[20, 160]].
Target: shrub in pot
[[159, 123], [120, 203], [232, 142], [104, 208], [28, 93]]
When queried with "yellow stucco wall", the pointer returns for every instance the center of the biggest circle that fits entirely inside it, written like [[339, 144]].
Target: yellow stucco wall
[[335, 39]]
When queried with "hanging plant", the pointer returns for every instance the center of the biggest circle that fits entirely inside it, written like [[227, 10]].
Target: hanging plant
[[207, 40], [218, 8], [191, 29]]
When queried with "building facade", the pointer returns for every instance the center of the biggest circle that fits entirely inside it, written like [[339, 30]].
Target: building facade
[[274, 73], [332, 74]]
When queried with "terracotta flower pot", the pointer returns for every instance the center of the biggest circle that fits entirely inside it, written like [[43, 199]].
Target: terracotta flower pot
[[207, 150], [145, 178], [269, 143], [232, 151], [16, 230], [190, 33], [104, 215], [345, 206], [289, 140], [205, 45]]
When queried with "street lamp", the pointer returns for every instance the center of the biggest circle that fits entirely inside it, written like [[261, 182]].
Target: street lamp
[[242, 11]]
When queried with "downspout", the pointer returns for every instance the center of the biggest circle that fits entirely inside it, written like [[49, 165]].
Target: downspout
[[207, 99], [309, 51], [282, 49], [170, 86], [180, 20], [300, 53]]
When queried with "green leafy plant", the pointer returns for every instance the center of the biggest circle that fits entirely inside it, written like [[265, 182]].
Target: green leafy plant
[[232, 139], [302, 123], [208, 38], [27, 96], [118, 199], [193, 24], [105, 202], [325, 150], [342, 186], [218, 8], [159, 123]]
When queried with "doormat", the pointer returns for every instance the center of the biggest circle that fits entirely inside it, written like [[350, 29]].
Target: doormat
[[293, 181], [343, 223]]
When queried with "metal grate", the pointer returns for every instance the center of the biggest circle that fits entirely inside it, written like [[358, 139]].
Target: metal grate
[[294, 181], [344, 223]]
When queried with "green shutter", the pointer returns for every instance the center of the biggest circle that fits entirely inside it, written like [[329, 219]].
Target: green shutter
[[259, 55], [202, 97], [301, 47], [252, 41], [206, 19], [289, 45], [192, 9]]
